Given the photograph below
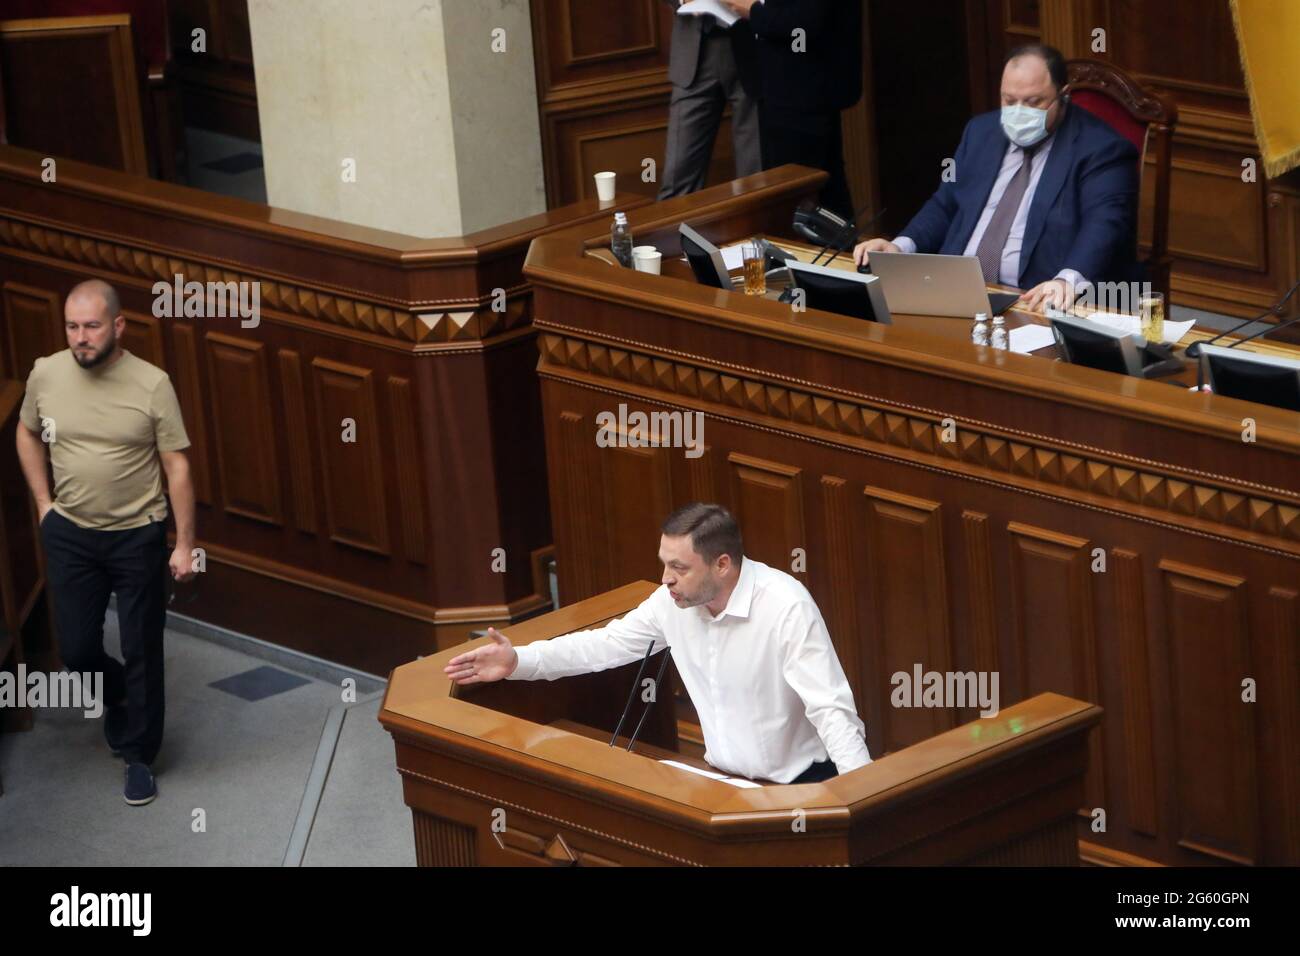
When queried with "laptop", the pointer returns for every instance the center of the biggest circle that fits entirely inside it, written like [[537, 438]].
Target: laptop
[[921, 284]]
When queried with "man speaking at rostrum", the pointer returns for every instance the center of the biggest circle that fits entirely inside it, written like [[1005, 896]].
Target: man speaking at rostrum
[[749, 644]]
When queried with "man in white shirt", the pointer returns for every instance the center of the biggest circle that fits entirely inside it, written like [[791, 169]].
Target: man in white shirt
[[749, 644]]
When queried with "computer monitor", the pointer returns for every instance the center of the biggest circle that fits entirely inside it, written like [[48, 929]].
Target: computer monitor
[[1097, 346], [705, 259], [846, 293], [1252, 377]]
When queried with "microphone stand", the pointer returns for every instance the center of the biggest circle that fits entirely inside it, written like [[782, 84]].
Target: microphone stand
[[1194, 350], [635, 684], [663, 666]]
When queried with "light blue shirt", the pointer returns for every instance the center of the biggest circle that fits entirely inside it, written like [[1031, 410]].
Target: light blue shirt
[[1009, 273]]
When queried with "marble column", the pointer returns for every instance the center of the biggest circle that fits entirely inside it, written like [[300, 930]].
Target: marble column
[[414, 116]]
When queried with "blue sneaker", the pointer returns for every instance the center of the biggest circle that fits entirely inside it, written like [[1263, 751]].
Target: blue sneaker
[[115, 728], [140, 788]]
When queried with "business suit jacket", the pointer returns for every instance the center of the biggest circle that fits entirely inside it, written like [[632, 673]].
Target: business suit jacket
[[1083, 215], [688, 37], [825, 79]]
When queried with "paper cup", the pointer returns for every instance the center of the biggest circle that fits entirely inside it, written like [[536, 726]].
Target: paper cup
[[605, 186], [647, 259]]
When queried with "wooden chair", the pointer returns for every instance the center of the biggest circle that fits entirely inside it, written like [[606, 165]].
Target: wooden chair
[[1147, 119]]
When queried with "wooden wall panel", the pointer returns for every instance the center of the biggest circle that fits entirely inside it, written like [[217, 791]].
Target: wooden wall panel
[[297, 441], [771, 495], [243, 430], [143, 337], [34, 323], [218, 85], [189, 394], [633, 541], [842, 515], [909, 607], [1205, 618], [1284, 636], [1051, 586], [1131, 637], [572, 491], [91, 113], [406, 455], [981, 590], [355, 507]]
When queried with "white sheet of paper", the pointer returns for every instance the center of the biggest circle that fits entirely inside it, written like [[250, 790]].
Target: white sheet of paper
[[1174, 331], [703, 773], [720, 777], [733, 256], [697, 7], [1030, 338]]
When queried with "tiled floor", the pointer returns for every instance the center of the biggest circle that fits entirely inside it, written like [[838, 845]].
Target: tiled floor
[[226, 165], [238, 751]]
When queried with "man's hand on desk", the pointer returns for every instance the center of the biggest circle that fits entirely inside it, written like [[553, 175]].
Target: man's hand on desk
[[1056, 293], [864, 249], [492, 662], [740, 7]]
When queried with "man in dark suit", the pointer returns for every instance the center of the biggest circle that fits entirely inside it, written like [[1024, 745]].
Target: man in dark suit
[[807, 58], [706, 77], [1044, 193]]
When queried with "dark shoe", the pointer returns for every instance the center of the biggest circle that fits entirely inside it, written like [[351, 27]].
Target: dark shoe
[[115, 728], [140, 788]]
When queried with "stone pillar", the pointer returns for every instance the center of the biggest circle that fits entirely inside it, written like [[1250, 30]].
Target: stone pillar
[[414, 116]]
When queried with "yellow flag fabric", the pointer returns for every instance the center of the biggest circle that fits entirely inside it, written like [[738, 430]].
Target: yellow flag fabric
[[1268, 35]]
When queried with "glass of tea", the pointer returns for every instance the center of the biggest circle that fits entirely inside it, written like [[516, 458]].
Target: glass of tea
[[1151, 307], [755, 268]]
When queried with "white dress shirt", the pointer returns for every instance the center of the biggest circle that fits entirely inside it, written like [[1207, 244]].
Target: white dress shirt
[[1009, 272], [763, 675]]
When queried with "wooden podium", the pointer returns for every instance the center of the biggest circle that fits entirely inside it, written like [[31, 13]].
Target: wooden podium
[[520, 773]]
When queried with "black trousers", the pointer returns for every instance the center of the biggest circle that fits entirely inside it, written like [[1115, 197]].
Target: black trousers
[[84, 566], [817, 772], [809, 139]]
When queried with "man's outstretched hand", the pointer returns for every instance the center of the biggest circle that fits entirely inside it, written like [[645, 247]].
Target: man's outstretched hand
[[485, 664]]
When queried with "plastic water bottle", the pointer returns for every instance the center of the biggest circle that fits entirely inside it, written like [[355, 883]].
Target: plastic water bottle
[[979, 333], [620, 240], [998, 337]]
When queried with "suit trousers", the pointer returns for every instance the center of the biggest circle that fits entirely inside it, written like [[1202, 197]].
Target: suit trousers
[[83, 567], [695, 114], [810, 139]]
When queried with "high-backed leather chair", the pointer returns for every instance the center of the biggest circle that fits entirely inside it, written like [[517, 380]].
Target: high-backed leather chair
[[1147, 119]]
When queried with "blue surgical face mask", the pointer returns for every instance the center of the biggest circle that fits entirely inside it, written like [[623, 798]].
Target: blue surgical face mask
[[1024, 125]]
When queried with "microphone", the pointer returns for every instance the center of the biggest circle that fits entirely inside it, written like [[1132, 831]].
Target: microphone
[[1194, 350], [659, 678], [1200, 368], [849, 230], [635, 684], [856, 233]]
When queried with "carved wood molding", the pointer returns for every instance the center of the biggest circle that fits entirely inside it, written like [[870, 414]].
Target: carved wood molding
[[978, 450], [451, 322]]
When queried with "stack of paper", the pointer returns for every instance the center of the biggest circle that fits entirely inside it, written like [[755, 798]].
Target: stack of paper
[[700, 7], [1030, 338]]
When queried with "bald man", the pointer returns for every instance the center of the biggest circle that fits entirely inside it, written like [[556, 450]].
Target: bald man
[[109, 420]]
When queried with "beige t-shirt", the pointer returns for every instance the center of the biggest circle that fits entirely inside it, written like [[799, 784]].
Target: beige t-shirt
[[105, 427]]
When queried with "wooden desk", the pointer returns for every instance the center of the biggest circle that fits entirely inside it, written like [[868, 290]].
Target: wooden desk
[[1090, 534], [495, 775]]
